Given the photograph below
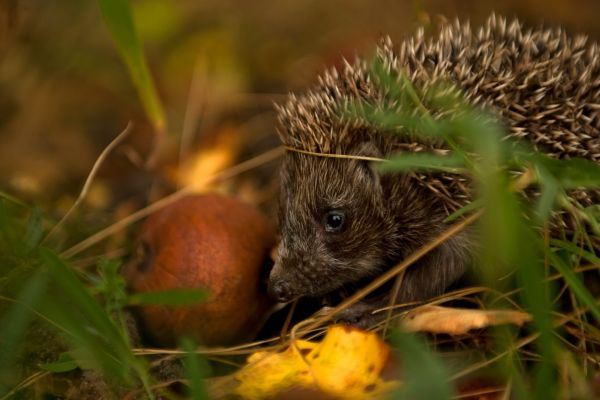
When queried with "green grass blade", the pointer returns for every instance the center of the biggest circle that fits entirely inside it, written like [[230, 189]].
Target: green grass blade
[[35, 230], [195, 371], [424, 162], [90, 329], [64, 364], [474, 205], [508, 242], [573, 248], [15, 321], [98, 342], [426, 378], [545, 204], [118, 17], [12, 199], [570, 173], [575, 284]]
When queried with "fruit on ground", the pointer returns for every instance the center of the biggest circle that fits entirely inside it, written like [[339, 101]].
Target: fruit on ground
[[204, 241]]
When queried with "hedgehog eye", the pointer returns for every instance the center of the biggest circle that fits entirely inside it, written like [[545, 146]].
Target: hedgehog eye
[[334, 221]]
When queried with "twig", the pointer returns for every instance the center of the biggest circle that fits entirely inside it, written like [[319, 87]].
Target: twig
[[193, 111], [507, 390], [480, 393], [25, 383], [475, 367], [288, 320], [158, 141], [521, 343], [165, 201], [90, 179], [332, 155], [249, 347], [451, 231], [392, 303], [548, 279], [85, 262], [165, 384], [34, 311]]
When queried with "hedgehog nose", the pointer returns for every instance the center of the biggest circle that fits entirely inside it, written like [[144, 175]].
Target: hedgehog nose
[[280, 290]]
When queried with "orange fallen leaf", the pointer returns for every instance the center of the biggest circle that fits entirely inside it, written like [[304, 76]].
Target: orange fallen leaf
[[458, 321], [207, 161]]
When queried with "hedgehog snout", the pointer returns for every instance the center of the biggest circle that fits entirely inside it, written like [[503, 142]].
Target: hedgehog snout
[[279, 287], [280, 291]]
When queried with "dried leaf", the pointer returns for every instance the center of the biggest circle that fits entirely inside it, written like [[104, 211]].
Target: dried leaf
[[458, 321]]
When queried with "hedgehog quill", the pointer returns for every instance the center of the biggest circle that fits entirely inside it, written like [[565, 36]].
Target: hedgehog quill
[[342, 221]]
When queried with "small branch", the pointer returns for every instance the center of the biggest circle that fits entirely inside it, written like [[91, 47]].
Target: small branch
[[392, 303], [195, 107], [288, 320], [165, 201], [90, 179], [399, 268], [27, 382]]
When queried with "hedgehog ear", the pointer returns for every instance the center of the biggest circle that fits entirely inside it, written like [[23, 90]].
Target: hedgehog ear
[[368, 149]]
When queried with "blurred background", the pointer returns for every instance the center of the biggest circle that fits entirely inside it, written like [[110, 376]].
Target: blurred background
[[218, 66]]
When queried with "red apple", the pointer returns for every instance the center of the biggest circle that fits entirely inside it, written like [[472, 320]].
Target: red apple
[[206, 241]]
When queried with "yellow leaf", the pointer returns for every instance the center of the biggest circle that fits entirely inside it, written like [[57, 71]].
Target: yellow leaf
[[346, 364], [207, 161], [267, 373]]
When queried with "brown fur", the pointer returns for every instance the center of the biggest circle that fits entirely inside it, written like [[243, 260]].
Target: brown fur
[[544, 86]]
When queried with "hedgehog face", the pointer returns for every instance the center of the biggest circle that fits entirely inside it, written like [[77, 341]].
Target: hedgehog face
[[332, 226]]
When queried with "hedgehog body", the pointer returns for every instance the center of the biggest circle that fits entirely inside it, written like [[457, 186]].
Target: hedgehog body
[[543, 85]]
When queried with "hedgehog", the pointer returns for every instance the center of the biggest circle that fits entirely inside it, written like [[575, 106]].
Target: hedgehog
[[343, 222]]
